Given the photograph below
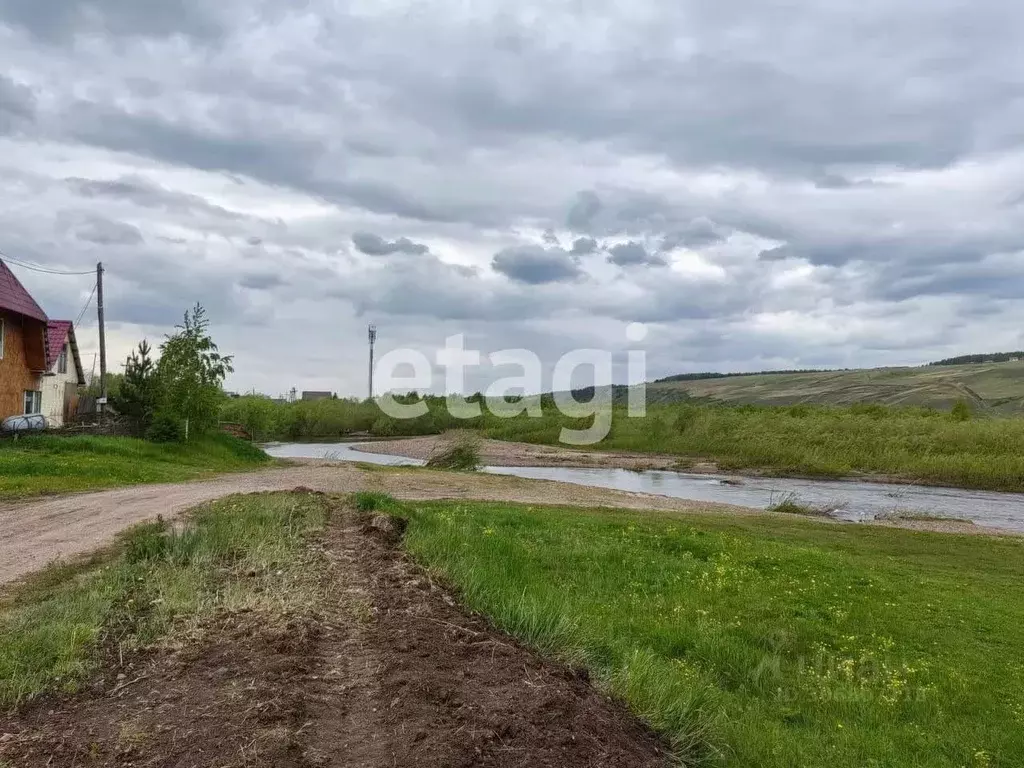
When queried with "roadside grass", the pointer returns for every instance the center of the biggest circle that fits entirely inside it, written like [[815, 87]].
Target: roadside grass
[[774, 642], [45, 464], [159, 581]]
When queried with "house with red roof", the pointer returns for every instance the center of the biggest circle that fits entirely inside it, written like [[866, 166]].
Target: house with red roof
[[39, 360], [61, 382], [23, 347]]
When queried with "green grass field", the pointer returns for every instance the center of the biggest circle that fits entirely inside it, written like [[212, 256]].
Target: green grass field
[[240, 552], [989, 388], [759, 641], [43, 464]]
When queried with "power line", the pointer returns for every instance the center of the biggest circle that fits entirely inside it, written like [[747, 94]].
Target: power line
[[86, 307], [38, 268]]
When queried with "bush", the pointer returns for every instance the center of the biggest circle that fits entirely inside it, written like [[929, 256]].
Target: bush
[[458, 451], [165, 428], [961, 411]]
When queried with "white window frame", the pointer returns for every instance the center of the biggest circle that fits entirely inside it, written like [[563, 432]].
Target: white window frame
[[36, 407], [3, 337], [62, 360]]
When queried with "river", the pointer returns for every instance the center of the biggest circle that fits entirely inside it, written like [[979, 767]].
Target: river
[[851, 500]]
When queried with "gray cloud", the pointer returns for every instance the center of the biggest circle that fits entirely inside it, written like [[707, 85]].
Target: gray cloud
[[17, 104], [582, 246], [697, 234], [633, 254], [60, 19], [583, 211], [139, 191], [375, 245], [534, 265], [102, 231], [840, 166], [261, 281]]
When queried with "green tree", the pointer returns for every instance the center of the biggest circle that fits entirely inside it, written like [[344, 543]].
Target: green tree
[[138, 390], [191, 373]]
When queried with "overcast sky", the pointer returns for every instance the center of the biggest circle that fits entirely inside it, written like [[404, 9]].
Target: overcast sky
[[765, 184]]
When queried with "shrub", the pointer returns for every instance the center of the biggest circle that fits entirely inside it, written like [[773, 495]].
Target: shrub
[[458, 451], [961, 411], [166, 428]]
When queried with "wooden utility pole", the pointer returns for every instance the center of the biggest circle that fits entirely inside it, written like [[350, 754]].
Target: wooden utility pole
[[103, 339], [372, 332]]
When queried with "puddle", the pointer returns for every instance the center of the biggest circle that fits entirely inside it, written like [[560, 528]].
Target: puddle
[[847, 500]]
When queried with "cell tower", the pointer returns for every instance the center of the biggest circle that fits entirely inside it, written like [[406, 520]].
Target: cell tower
[[372, 334]]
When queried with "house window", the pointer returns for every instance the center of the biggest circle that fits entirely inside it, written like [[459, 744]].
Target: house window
[[33, 402], [3, 332], [62, 360]]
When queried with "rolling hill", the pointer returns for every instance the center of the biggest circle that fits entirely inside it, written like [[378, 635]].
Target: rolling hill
[[994, 388]]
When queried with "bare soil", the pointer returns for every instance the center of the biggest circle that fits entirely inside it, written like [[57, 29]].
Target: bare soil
[[385, 671]]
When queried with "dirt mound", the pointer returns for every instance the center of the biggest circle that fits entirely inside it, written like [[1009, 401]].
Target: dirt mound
[[385, 671], [234, 698]]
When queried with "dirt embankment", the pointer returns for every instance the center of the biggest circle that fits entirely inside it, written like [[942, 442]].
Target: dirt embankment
[[499, 453], [384, 671]]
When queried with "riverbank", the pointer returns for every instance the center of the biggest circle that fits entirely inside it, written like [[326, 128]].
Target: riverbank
[[509, 453], [502, 453], [889, 444]]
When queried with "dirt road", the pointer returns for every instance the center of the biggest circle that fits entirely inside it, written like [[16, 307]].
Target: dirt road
[[34, 533]]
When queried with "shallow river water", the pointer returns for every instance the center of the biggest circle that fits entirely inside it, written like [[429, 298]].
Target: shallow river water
[[846, 500]]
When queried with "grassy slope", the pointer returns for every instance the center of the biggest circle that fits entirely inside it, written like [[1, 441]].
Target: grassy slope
[[154, 581], [766, 641], [46, 464], [832, 442], [989, 387]]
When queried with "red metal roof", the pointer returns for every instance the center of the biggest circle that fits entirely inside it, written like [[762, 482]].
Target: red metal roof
[[56, 335], [14, 297]]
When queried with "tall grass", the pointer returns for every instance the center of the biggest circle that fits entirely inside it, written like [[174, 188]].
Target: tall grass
[[50, 464], [458, 450], [240, 552], [751, 641]]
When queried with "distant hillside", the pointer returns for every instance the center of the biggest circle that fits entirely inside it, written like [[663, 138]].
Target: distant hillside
[[990, 387], [708, 375], [995, 357]]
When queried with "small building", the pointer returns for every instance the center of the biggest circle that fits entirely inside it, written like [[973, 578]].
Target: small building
[[62, 380], [317, 395], [23, 348]]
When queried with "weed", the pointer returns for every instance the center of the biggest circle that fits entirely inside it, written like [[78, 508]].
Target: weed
[[790, 504], [458, 450], [371, 501]]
